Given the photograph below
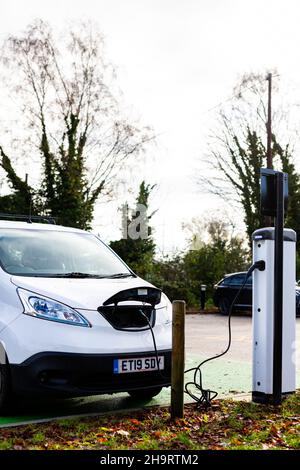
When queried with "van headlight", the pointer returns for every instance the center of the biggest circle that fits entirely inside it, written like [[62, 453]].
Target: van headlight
[[48, 309]]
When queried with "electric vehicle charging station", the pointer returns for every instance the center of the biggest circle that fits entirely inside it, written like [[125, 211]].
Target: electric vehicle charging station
[[273, 306], [263, 314]]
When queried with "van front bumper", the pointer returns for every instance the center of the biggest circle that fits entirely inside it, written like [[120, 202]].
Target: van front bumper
[[73, 375]]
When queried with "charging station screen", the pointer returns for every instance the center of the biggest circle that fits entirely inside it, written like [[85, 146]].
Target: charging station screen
[[269, 190]]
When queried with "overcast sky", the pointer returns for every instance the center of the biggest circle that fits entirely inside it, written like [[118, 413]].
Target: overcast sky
[[176, 59]]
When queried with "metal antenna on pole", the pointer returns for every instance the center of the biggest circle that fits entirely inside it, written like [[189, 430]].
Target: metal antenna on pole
[[30, 200], [269, 221], [269, 123]]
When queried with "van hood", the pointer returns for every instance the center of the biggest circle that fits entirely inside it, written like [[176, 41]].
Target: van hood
[[84, 294]]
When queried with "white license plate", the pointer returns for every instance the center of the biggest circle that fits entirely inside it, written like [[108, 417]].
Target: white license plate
[[138, 364]]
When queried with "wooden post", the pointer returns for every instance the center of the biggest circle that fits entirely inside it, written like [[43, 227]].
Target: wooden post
[[177, 393]]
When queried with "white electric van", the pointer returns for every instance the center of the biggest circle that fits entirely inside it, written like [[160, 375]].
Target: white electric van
[[74, 319]]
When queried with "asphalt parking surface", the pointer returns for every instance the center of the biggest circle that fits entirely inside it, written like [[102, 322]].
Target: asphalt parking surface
[[207, 334]]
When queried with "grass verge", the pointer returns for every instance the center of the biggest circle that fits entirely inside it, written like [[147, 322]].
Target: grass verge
[[226, 425]]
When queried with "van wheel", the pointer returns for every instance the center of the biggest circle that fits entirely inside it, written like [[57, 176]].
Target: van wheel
[[145, 394], [224, 305], [5, 389]]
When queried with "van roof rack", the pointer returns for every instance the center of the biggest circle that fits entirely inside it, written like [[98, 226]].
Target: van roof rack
[[28, 218]]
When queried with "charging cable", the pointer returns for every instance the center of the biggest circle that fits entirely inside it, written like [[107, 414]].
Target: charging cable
[[206, 396], [154, 344]]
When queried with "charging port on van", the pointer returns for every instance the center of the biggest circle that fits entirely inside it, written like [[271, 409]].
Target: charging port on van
[[128, 317]]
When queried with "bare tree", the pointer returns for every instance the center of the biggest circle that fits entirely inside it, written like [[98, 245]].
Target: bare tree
[[215, 227], [237, 150], [72, 121]]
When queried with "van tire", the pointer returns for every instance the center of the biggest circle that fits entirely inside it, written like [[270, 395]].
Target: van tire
[[5, 389], [224, 305], [145, 394]]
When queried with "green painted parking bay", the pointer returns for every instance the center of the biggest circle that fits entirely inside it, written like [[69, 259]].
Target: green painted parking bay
[[220, 375]]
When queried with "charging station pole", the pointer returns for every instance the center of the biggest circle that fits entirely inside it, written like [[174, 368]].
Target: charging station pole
[[278, 291], [274, 297]]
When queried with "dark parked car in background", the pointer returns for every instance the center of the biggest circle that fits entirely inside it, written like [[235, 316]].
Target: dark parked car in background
[[227, 288]]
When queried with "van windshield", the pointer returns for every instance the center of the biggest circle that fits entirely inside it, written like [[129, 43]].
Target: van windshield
[[51, 253]]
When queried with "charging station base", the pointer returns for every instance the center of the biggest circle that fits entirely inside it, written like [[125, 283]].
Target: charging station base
[[259, 397]]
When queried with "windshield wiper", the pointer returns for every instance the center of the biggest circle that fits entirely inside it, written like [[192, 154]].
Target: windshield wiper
[[79, 275], [120, 275]]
